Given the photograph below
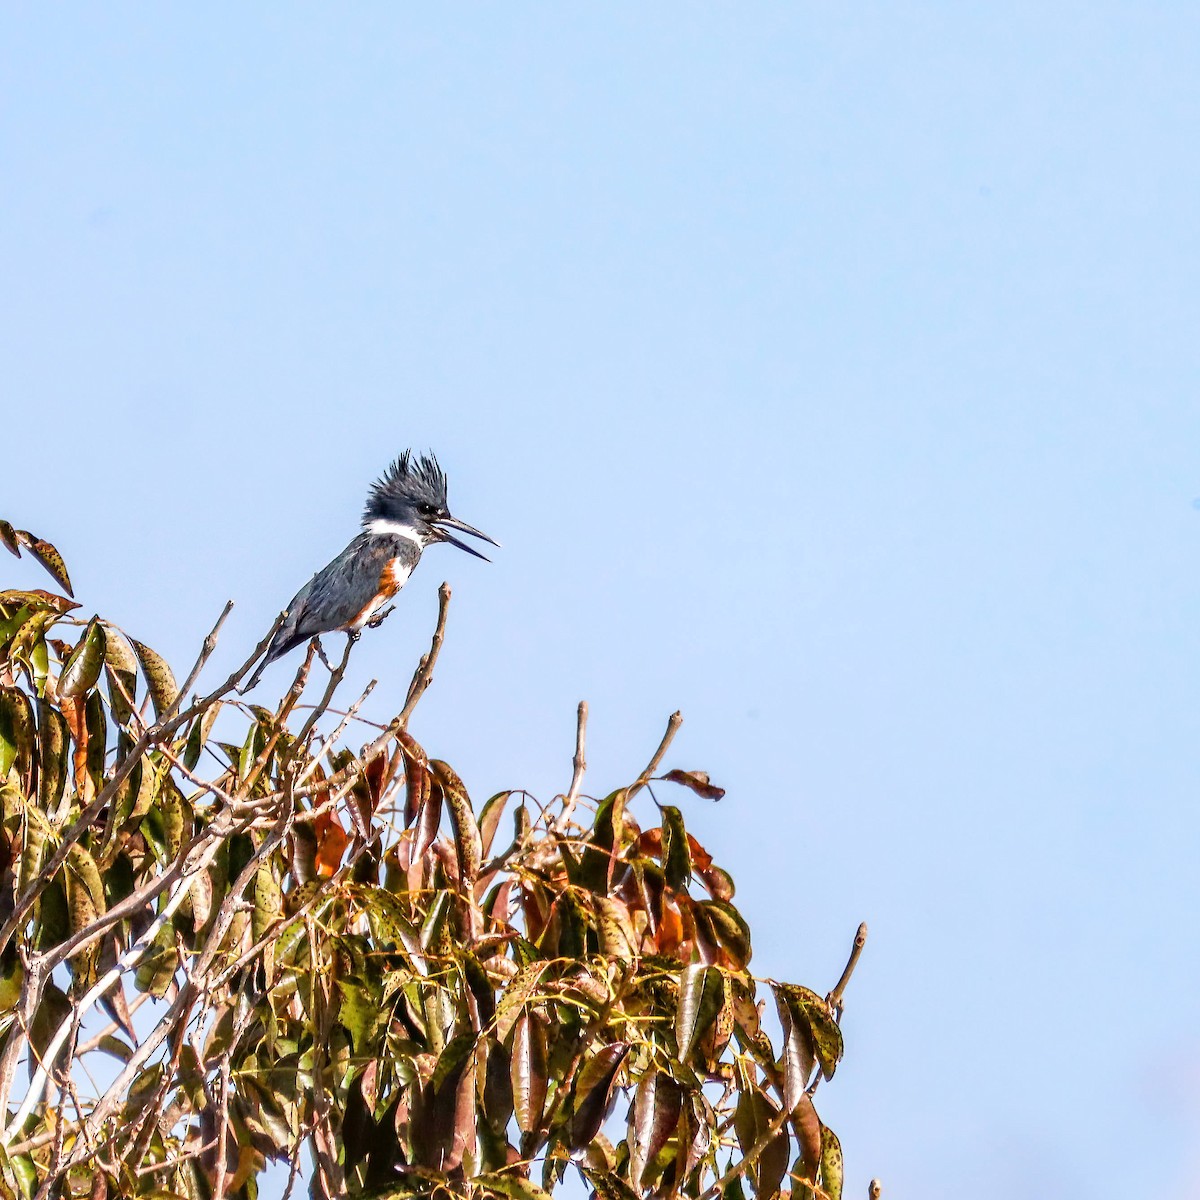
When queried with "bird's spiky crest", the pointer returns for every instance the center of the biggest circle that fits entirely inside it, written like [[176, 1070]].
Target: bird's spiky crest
[[409, 480]]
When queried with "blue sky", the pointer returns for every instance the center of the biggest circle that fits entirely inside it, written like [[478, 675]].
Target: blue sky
[[828, 372]]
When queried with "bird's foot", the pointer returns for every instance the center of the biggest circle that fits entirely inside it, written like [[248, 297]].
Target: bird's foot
[[379, 618]]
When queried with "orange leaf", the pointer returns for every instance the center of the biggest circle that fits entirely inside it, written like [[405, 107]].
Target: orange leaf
[[332, 841]]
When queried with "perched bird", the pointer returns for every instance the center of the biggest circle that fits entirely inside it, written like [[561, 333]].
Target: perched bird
[[406, 511]]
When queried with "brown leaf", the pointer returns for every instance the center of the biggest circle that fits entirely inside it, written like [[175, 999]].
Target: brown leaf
[[332, 841], [36, 598], [528, 1072], [593, 1092], [656, 1107], [697, 781], [467, 842], [48, 556], [807, 1125]]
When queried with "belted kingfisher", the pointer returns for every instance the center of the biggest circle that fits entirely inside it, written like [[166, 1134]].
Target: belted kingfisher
[[406, 511]]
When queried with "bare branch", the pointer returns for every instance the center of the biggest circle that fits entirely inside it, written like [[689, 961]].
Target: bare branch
[[834, 999], [580, 766], [423, 676], [673, 724]]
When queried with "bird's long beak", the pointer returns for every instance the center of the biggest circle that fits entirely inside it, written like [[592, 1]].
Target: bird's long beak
[[462, 527]]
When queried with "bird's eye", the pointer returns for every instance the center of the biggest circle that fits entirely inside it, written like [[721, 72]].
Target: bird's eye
[[428, 510]]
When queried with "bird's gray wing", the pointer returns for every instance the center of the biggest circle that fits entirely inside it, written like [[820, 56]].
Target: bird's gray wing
[[337, 593]]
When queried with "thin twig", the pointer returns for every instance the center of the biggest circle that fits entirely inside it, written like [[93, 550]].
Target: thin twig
[[157, 732], [673, 724], [580, 765], [423, 676], [750, 1157], [335, 678], [834, 999]]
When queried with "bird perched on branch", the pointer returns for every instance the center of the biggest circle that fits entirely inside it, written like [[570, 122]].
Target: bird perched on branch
[[406, 511]]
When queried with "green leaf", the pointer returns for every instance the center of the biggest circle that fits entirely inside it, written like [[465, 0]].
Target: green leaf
[[114, 1046], [361, 1014], [268, 901], [729, 928], [97, 735], [433, 928], [159, 679], [608, 1185], [826, 1036], [677, 856], [489, 819], [752, 1120], [198, 734], [510, 1185], [83, 668], [157, 969], [120, 664], [518, 992], [8, 539], [798, 1054], [831, 1164], [701, 996], [53, 738], [16, 730]]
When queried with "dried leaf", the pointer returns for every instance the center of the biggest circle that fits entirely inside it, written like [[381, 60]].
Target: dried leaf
[[697, 781], [808, 1131], [48, 556], [467, 841], [331, 843]]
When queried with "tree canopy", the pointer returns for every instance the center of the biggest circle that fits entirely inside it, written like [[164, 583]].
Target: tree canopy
[[233, 934]]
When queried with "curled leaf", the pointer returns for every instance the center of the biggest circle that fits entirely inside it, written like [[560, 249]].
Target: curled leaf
[[697, 781], [48, 556]]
